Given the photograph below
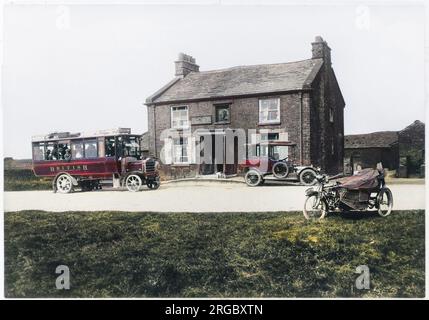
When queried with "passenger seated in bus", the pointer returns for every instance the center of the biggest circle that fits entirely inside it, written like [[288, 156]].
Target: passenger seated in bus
[[48, 155], [61, 152], [110, 148], [67, 155], [54, 153], [77, 151]]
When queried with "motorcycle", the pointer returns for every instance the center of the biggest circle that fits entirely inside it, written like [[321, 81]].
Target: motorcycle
[[365, 190]]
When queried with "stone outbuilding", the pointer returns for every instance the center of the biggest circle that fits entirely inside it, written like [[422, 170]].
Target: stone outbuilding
[[402, 150]]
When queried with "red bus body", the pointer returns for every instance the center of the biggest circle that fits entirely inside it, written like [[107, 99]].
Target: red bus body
[[92, 158]]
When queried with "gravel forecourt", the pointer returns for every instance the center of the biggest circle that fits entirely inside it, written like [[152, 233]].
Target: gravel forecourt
[[191, 197]]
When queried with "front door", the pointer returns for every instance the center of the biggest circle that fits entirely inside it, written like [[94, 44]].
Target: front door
[[231, 157], [213, 154], [207, 150]]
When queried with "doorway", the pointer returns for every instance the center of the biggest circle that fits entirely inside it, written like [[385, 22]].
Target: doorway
[[217, 161]]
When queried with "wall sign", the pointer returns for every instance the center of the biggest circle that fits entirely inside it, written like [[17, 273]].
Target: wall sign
[[201, 120]]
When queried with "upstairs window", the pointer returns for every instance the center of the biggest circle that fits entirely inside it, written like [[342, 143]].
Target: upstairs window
[[269, 111], [179, 117], [222, 113]]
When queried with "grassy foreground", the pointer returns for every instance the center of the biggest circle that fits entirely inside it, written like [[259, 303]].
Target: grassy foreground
[[24, 179], [118, 254]]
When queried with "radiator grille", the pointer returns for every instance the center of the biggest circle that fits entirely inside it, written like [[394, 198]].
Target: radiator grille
[[150, 165]]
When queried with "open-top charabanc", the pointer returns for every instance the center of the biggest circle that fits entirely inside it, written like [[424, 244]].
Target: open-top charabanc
[[269, 159], [90, 160]]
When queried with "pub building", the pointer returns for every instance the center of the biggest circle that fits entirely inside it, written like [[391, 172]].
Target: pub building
[[299, 102]]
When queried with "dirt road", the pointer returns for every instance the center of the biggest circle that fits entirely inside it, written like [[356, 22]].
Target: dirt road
[[188, 197]]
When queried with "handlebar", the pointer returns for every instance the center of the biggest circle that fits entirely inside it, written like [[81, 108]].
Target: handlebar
[[326, 178]]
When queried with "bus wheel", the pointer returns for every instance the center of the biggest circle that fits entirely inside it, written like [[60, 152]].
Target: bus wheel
[[153, 183], [133, 183], [64, 183]]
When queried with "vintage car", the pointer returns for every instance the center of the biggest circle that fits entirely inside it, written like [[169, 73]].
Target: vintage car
[[269, 160], [90, 160]]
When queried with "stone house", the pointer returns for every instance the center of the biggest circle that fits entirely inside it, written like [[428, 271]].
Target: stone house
[[402, 150], [299, 102]]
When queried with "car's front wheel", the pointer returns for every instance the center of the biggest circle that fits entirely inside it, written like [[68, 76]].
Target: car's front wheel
[[253, 178]]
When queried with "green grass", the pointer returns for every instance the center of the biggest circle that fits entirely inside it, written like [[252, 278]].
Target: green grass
[[118, 254], [24, 179]]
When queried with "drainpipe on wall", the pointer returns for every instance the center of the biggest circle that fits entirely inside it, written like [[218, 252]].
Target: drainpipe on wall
[[154, 128], [300, 131]]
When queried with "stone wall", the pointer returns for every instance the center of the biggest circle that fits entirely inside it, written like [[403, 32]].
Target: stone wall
[[327, 138], [411, 142], [369, 157]]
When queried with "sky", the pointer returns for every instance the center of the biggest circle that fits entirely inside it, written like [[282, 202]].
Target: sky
[[87, 67]]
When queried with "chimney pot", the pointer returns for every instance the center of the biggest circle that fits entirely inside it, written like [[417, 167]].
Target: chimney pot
[[185, 64], [320, 49]]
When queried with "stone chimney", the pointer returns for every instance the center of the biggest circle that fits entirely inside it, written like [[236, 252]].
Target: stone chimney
[[185, 64], [320, 49]]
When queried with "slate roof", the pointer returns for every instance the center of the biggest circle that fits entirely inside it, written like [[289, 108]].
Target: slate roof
[[382, 139], [239, 81], [415, 124]]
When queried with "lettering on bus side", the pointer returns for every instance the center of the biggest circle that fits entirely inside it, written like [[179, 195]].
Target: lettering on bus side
[[83, 167]]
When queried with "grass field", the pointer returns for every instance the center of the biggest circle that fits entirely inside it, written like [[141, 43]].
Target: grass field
[[24, 179], [119, 254]]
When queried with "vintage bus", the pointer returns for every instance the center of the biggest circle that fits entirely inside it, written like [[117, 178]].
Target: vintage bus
[[88, 161]]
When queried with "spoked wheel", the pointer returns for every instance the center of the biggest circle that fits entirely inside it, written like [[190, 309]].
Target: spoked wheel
[[133, 183], [384, 202], [253, 178], [280, 170], [153, 184], [64, 184], [314, 208], [307, 177]]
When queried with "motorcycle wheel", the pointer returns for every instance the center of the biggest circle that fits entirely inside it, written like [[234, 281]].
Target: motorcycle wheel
[[384, 202], [280, 170], [314, 208]]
